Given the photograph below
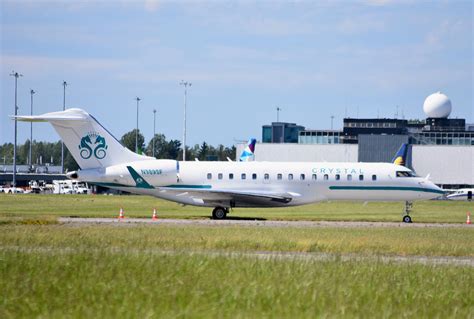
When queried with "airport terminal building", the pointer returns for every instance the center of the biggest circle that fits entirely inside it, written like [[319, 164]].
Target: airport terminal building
[[438, 146]]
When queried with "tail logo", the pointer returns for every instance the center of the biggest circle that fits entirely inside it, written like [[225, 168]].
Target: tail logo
[[93, 144]]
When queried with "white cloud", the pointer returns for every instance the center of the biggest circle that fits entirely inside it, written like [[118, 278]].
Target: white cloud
[[152, 5]]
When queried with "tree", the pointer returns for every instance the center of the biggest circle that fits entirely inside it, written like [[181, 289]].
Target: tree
[[203, 151], [160, 146], [174, 149], [128, 140], [70, 163]]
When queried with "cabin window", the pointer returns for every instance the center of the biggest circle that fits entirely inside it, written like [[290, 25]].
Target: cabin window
[[209, 176], [219, 176], [361, 177], [374, 177], [338, 177], [290, 177], [243, 176], [349, 177], [302, 177], [314, 177], [326, 177], [254, 176], [266, 176], [231, 176], [279, 176]]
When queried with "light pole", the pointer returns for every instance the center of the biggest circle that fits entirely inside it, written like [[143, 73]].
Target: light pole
[[154, 130], [62, 143], [30, 161], [16, 75], [136, 132], [185, 84], [332, 119], [278, 113]]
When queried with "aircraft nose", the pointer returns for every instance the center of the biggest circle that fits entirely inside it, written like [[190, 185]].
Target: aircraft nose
[[433, 191]]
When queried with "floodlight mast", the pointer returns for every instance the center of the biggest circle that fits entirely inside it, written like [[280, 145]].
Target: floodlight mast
[[136, 132], [154, 130], [30, 160], [62, 143], [278, 113], [16, 75], [185, 84]]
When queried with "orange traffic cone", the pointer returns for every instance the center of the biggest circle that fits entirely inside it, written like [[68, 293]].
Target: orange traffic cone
[[468, 220], [154, 217], [121, 215]]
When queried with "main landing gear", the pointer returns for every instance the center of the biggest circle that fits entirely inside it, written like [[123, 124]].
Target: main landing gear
[[408, 208], [219, 213]]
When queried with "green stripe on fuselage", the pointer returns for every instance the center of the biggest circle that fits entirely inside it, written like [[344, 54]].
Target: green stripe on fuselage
[[386, 188]]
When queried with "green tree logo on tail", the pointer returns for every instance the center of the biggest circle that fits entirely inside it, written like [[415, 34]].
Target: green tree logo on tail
[[93, 144]]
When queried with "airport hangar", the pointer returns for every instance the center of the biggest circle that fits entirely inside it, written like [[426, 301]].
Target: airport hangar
[[439, 146]]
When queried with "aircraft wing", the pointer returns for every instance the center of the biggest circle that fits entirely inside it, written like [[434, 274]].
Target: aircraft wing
[[234, 198]]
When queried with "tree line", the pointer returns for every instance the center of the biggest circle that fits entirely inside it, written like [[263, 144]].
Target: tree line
[[50, 152]]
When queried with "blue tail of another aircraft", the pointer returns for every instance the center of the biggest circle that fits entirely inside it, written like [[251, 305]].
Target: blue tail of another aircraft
[[401, 156], [248, 153]]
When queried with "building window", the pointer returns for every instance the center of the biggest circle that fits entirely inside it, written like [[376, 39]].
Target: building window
[[209, 176], [338, 177], [290, 177], [279, 177], [326, 177], [243, 176], [314, 177], [374, 177], [349, 177], [219, 176], [302, 177], [254, 176], [361, 177], [231, 176], [266, 176]]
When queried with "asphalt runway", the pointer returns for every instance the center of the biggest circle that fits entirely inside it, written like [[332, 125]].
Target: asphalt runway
[[252, 223]]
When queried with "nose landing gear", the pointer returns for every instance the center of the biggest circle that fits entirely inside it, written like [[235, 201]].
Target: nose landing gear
[[408, 208]]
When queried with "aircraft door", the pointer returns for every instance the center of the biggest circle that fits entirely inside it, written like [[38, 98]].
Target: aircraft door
[[469, 195]]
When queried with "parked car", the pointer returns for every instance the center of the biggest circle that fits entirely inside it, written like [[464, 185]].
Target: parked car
[[14, 190]]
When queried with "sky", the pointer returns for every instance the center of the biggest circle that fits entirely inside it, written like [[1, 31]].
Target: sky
[[312, 59]]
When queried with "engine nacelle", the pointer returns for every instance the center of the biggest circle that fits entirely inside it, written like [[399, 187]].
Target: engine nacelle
[[153, 172]]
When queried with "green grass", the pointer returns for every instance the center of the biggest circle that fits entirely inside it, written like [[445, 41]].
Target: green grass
[[366, 241], [163, 271], [142, 206], [144, 285]]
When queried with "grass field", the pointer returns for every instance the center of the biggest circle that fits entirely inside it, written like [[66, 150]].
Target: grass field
[[142, 206], [106, 271], [169, 271]]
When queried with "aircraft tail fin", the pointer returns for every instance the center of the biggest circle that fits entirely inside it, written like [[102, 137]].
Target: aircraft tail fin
[[401, 156], [248, 153], [90, 144]]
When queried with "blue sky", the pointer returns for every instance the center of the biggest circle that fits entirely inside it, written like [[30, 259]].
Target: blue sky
[[313, 59]]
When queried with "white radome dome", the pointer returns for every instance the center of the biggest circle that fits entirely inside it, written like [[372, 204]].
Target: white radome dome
[[437, 105]]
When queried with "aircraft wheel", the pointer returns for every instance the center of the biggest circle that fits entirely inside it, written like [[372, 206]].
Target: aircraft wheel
[[407, 219], [219, 213]]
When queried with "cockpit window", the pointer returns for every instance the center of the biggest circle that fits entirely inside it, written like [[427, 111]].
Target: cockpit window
[[405, 174]]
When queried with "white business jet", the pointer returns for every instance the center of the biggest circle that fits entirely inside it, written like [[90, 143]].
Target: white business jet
[[223, 185], [461, 194]]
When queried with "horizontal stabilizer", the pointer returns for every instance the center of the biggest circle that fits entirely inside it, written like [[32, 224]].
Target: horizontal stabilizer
[[69, 115]]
